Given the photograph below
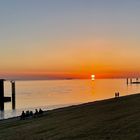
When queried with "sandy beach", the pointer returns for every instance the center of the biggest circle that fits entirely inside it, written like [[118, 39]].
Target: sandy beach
[[107, 119]]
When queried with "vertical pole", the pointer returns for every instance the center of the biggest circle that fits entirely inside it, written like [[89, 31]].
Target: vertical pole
[[127, 81], [1, 94], [13, 94], [131, 80]]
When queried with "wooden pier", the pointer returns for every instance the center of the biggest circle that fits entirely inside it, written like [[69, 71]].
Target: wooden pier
[[132, 81], [4, 99]]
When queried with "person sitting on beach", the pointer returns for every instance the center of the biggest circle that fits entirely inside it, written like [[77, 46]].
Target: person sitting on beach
[[40, 111], [22, 115], [27, 114], [31, 113], [36, 113]]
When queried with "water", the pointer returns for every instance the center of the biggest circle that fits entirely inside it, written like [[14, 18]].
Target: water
[[52, 94]]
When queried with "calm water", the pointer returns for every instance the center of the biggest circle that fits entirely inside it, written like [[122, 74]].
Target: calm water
[[52, 94]]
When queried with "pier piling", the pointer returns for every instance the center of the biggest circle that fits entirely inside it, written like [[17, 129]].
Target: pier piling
[[4, 99], [13, 94], [131, 81], [127, 81], [1, 94]]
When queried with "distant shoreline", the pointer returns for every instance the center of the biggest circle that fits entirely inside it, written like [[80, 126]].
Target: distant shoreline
[[49, 79]]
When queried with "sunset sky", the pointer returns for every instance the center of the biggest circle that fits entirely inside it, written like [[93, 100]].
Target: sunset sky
[[69, 38]]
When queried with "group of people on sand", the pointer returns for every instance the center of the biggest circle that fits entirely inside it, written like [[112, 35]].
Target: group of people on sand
[[117, 94], [30, 114]]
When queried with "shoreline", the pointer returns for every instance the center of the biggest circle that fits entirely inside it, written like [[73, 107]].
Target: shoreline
[[114, 118], [71, 106], [44, 108], [63, 107]]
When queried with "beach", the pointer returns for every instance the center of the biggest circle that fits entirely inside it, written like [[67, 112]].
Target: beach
[[116, 118]]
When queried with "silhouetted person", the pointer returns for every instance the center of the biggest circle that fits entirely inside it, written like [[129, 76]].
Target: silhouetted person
[[31, 113], [118, 94], [40, 111], [23, 115], [36, 113], [115, 95], [27, 114]]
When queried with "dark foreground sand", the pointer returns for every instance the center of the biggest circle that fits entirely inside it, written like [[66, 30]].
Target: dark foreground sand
[[112, 119]]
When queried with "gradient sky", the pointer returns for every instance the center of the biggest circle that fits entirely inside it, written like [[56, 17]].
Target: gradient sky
[[69, 38]]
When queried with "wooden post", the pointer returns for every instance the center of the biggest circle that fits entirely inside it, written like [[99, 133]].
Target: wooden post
[[1, 94], [131, 80], [127, 81], [13, 94]]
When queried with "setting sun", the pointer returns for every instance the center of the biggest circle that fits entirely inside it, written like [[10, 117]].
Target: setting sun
[[92, 77]]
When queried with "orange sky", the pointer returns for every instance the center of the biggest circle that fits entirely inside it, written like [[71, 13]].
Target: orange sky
[[69, 39], [100, 57]]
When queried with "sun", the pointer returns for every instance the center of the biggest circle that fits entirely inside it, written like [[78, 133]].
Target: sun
[[92, 77]]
